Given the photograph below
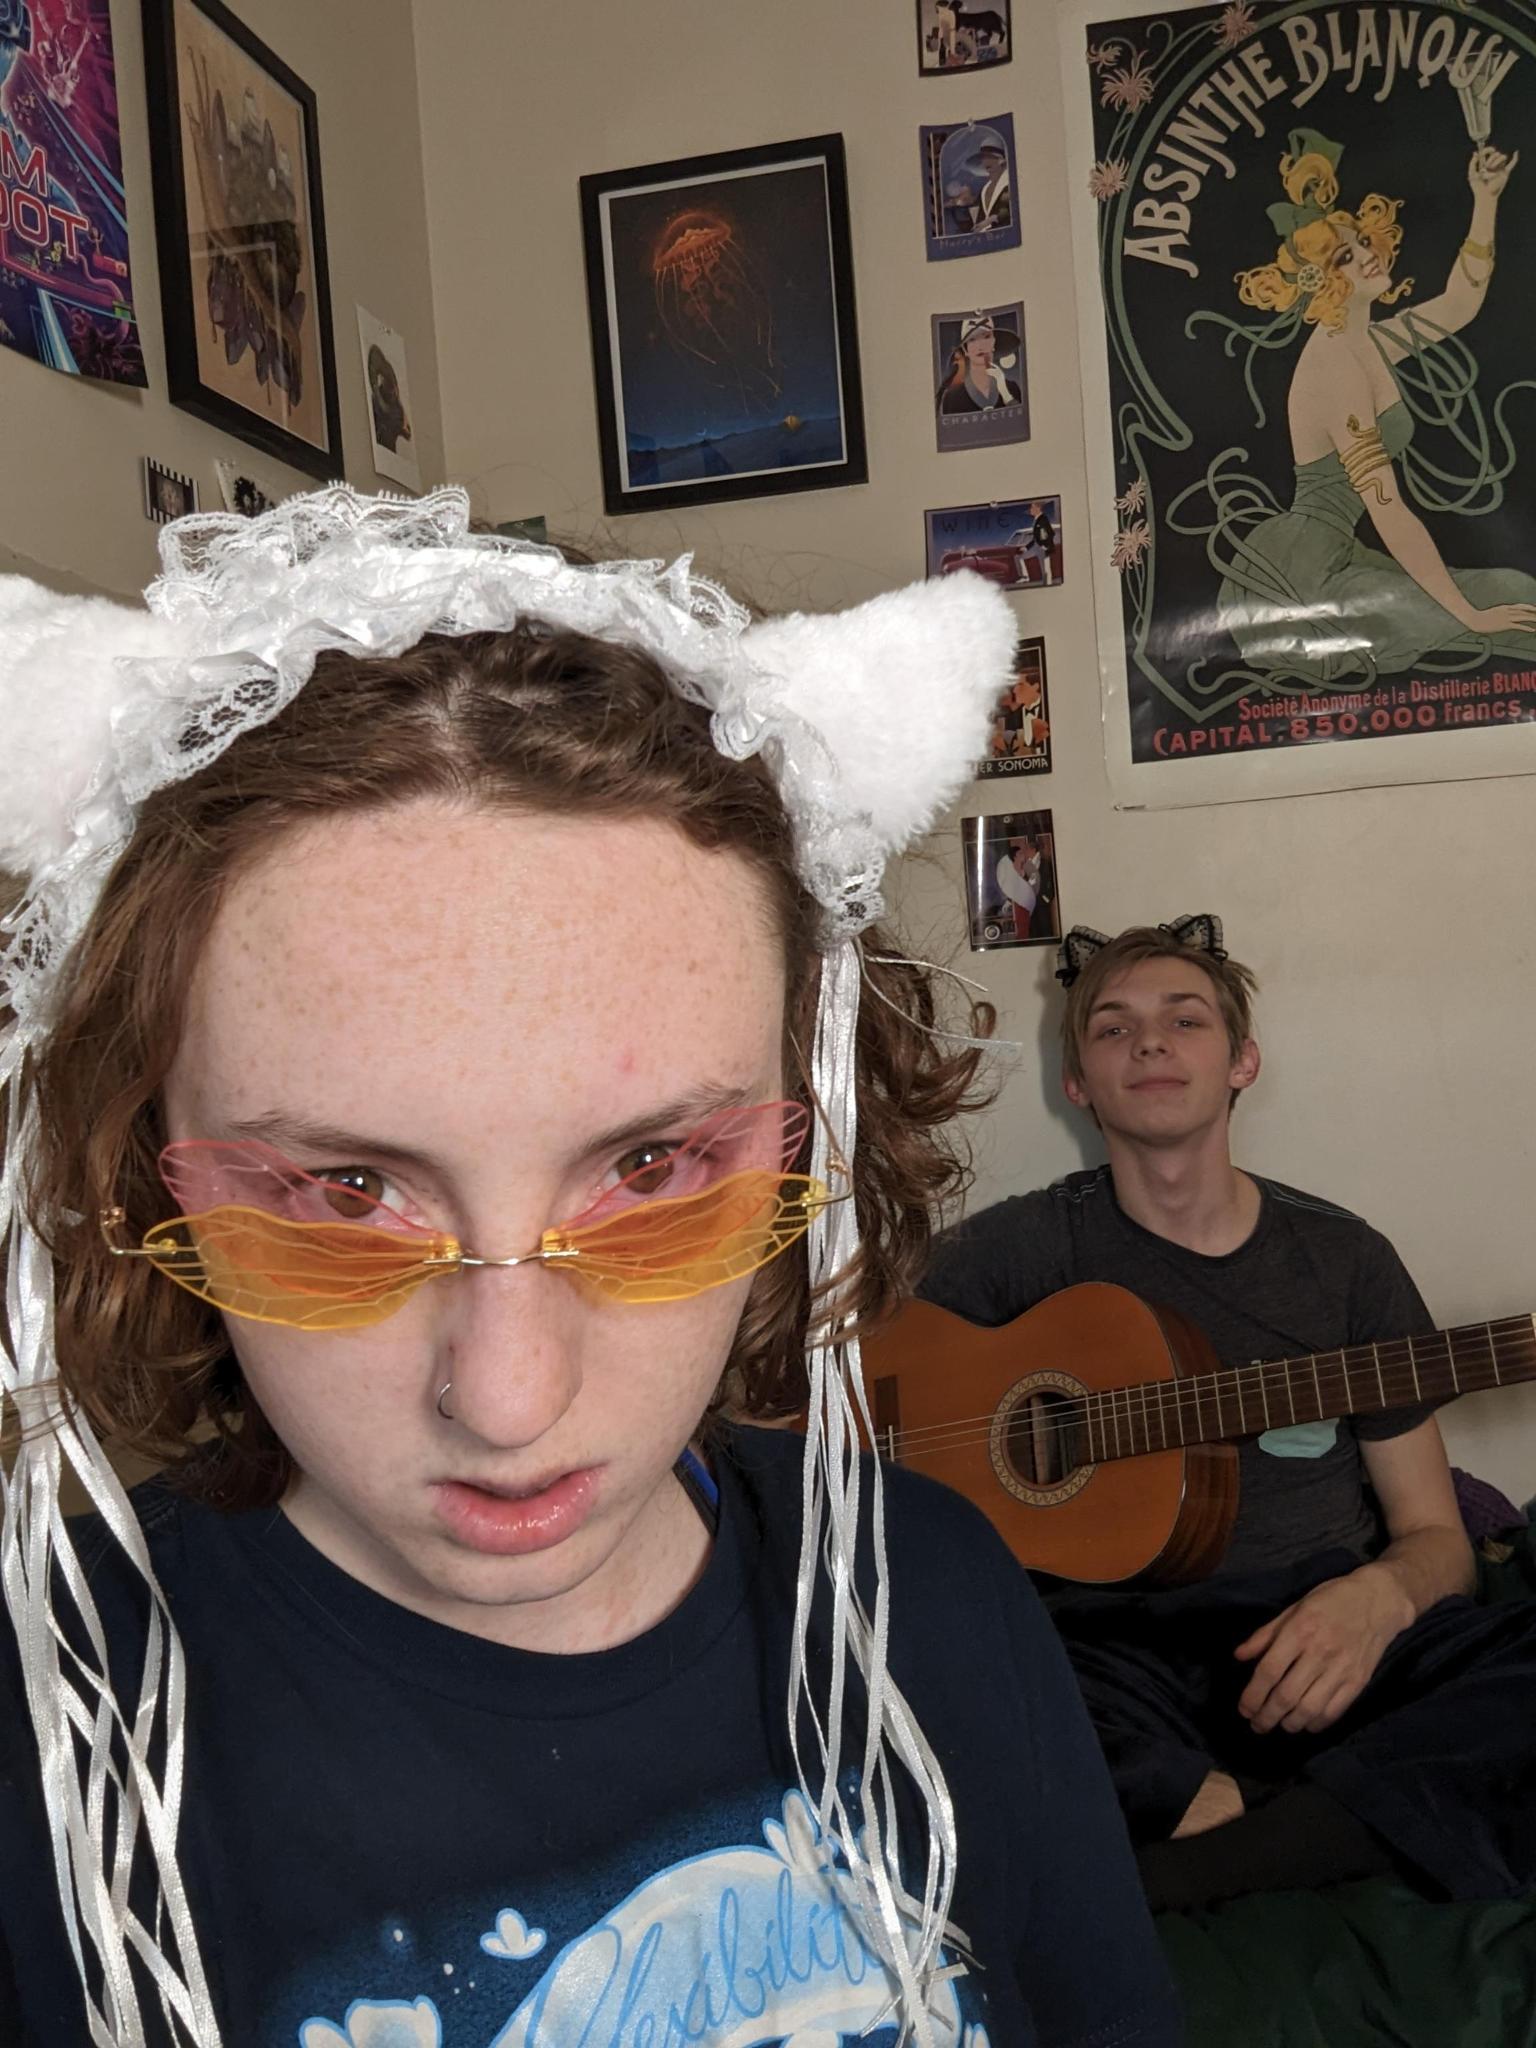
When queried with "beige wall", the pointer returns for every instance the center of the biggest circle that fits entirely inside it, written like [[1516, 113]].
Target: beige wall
[[71, 497], [1392, 928]]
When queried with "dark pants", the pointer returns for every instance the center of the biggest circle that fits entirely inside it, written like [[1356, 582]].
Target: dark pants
[[1437, 1757]]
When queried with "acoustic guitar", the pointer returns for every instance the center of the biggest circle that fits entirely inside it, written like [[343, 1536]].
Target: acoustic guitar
[[1094, 1430]]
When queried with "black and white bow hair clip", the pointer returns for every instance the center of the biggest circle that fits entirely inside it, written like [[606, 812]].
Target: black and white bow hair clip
[[1200, 931]]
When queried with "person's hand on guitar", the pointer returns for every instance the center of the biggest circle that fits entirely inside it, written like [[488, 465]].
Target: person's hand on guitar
[[1317, 1656]]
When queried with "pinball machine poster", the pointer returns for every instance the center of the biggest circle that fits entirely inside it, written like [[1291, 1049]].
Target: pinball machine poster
[[1302, 234], [66, 288]]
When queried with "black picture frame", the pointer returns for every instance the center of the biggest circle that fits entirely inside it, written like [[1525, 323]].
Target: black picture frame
[[720, 289], [260, 287]]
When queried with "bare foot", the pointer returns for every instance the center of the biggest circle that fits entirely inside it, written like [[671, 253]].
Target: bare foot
[[1217, 1801]]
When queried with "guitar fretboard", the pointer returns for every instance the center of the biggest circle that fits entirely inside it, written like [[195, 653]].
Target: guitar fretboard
[[1244, 1400]]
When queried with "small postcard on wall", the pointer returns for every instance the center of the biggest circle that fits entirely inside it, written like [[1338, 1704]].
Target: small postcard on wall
[[1021, 729], [954, 37], [968, 188], [1011, 892], [1015, 542], [240, 491], [389, 401], [981, 398]]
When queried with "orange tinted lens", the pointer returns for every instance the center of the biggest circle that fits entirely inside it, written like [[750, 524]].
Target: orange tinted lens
[[668, 1250], [310, 1276]]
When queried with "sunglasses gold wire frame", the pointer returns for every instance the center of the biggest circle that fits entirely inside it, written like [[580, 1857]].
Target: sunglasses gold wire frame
[[328, 1275]]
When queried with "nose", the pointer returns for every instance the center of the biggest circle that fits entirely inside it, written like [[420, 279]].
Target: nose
[[1151, 1039], [511, 1343]]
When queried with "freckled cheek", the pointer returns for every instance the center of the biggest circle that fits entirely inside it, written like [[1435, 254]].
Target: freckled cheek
[[320, 1389], [663, 1359]]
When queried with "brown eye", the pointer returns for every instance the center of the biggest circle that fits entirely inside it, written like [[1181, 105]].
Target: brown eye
[[352, 1190], [647, 1169]]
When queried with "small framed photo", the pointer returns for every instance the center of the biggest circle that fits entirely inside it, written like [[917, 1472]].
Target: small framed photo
[[1011, 884], [968, 197], [389, 401], [981, 393], [954, 37], [1014, 542], [1021, 722], [240, 227], [167, 493], [720, 291]]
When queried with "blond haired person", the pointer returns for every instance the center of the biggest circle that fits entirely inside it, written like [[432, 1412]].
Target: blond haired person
[[1329, 1704]]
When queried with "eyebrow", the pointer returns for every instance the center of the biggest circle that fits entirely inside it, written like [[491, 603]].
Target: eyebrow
[[288, 1131], [1187, 995]]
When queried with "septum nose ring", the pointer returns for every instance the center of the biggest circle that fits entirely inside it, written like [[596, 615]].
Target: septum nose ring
[[442, 1394]]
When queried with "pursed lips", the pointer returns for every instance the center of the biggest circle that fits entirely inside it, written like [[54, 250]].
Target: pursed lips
[[530, 1491]]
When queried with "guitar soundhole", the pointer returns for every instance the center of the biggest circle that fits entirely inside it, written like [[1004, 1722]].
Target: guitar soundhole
[[1044, 1444], [1039, 1446]]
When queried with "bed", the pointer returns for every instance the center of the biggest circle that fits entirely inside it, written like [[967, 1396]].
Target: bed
[[1367, 1965]]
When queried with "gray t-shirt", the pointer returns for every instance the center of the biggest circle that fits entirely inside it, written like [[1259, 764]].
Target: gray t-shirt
[[1311, 1277]]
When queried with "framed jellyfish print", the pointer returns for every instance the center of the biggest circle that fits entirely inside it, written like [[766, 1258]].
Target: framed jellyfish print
[[240, 223], [720, 290]]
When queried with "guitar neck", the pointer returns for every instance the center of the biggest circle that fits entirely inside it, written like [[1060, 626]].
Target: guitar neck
[[1244, 1400]]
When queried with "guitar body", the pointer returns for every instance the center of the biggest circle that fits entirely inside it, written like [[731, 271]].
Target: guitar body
[[982, 1410]]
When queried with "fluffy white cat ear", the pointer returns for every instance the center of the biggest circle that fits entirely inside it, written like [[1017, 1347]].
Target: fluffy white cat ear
[[63, 694], [901, 689]]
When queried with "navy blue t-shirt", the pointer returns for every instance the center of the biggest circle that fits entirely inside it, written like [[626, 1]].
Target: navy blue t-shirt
[[394, 1831]]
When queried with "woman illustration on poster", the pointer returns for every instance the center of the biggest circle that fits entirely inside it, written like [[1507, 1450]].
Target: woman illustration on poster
[[977, 381], [1303, 597]]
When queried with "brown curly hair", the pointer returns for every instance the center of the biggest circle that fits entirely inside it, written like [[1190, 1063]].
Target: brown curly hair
[[532, 719]]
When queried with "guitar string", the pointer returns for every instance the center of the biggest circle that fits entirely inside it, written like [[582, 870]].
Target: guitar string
[[1124, 1412], [1118, 1409], [1198, 1388], [1115, 1441], [1388, 1356], [1112, 1436]]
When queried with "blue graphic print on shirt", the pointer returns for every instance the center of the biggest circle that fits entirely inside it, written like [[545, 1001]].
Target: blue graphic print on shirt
[[735, 1948]]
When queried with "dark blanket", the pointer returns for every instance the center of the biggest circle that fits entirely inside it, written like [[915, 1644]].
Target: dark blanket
[[1357, 1966], [1369, 1965]]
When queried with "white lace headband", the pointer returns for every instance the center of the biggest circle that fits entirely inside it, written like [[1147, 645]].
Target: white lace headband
[[869, 715], [870, 720]]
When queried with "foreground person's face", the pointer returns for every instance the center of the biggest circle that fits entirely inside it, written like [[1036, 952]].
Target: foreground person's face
[[494, 1012]]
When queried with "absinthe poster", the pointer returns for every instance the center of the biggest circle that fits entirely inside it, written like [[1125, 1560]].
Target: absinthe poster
[[1313, 234]]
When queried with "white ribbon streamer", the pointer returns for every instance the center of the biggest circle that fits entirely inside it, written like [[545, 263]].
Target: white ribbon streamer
[[830, 1518]]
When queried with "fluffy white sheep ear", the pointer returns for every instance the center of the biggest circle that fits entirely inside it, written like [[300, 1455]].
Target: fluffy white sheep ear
[[61, 696], [901, 689]]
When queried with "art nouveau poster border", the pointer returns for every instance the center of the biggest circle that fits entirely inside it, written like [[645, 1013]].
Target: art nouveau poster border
[[1301, 235]]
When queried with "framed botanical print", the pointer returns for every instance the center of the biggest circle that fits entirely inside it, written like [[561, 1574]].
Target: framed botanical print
[[720, 290], [244, 285]]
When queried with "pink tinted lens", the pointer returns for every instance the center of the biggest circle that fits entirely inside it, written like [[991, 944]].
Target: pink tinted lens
[[209, 1173], [765, 1137]]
